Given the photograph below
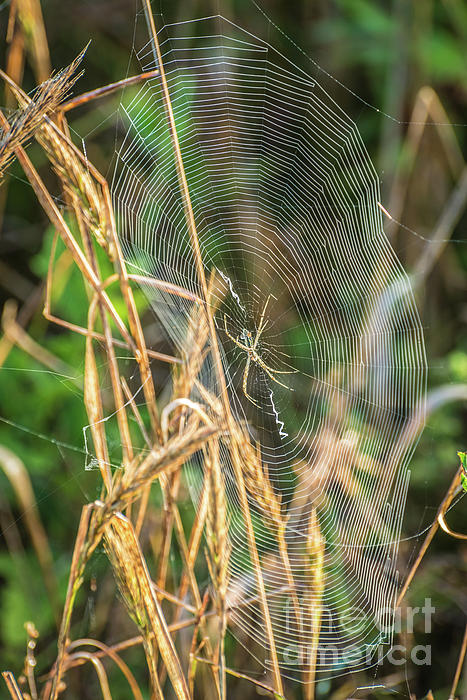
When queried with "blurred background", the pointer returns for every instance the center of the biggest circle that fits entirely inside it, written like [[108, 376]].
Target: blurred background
[[398, 68]]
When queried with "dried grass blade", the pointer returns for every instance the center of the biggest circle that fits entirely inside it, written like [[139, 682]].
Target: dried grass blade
[[93, 404], [18, 336], [12, 685], [236, 460], [106, 90], [86, 541], [218, 549], [29, 13], [18, 476], [108, 651], [100, 670], [313, 598], [460, 663]]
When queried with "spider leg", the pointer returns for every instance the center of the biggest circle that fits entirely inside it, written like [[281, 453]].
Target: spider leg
[[269, 372], [283, 371], [245, 380], [274, 371], [262, 324]]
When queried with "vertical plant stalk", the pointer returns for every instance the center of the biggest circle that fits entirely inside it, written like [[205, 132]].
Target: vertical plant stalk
[[236, 461], [12, 685], [18, 476], [127, 449], [81, 553], [460, 663], [218, 549], [259, 485], [445, 503], [93, 404], [314, 596], [29, 14]]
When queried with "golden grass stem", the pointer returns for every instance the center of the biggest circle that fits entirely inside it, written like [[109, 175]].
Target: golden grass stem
[[122, 420], [87, 97], [444, 505], [460, 663], [100, 670], [12, 685], [314, 597], [81, 552], [93, 404], [214, 346], [18, 336], [18, 476], [108, 651]]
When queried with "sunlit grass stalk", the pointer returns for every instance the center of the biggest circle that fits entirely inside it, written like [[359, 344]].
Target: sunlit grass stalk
[[234, 447], [314, 548], [218, 548], [259, 486]]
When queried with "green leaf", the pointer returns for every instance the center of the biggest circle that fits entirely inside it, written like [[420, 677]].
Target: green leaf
[[463, 458]]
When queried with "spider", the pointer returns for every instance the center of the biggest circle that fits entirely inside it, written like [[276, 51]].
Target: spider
[[249, 346]]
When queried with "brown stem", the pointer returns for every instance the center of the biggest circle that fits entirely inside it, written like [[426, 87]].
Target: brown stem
[[215, 348]]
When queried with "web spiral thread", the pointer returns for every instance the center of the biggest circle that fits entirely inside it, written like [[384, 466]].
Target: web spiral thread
[[285, 200]]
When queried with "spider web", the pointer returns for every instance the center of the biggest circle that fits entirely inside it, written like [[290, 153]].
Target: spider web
[[285, 200]]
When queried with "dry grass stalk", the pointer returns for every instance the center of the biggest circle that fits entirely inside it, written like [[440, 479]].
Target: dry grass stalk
[[184, 377], [260, 488], [263, 688], [195, 647], [234, 447], [119, 403], [194, 543], [460, 663], [30, 659], [100, 671], [28, 13], [313, 598], [453, 489], [84, 546], [218, 547], [107, 651], [86, 97], [18, 336], [93, 404], [64, 261], [18, 476], [12, 685]]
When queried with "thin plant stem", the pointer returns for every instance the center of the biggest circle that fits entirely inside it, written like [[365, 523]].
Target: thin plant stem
[[215, 349]]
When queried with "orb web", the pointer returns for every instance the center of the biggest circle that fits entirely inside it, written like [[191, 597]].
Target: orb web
[[285, 200]]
